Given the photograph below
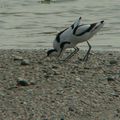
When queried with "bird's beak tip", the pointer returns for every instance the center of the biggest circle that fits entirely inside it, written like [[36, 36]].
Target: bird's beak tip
[[80, 17]]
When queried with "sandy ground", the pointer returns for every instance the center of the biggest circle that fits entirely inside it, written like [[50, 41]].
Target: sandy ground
[[55, 90]]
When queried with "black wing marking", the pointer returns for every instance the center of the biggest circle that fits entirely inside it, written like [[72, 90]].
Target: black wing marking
[[74, 31], [87, 30], [72, 26], [58, 35]]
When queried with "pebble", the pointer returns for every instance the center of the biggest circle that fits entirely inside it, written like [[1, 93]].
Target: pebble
[[18, 58], [22, 82], [40, 62], [118, 110], [71, 109], [62, 117], [2, 94], [25, 62], [87, 68], [78, 79], [54, 67], [115, 94], [110, 54], [110, 79], [55, 72], [23, 102], [113, 62]]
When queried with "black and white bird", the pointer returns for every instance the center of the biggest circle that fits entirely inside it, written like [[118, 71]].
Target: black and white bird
[[71, 36]]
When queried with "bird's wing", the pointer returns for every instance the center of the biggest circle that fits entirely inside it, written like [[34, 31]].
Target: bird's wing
[[83, 29], [59, 34]]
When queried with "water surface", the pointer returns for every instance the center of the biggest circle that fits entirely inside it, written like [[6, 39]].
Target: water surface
[[33, 24]]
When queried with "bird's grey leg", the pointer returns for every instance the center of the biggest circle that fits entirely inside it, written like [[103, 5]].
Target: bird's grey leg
[[72, 54], [88, 52]]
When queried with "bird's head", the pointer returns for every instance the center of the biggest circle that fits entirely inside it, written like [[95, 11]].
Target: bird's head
[[98, 26], [76, 23], [52, 52]]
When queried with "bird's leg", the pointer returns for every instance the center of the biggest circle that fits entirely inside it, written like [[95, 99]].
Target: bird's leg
[[88, 52], [72, 54]]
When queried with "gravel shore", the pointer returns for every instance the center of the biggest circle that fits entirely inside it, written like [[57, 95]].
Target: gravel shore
[[33, 88]]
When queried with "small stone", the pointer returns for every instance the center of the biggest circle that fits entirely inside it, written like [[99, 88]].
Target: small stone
[[110, 54], [77, 91], [115, 94], [22, 82], [54, 67], [40, 62], [71, 109], [23, 102], [18, 58], [113, 62], [72, 72], [87, 68], [25, 62], [2, 94], [55, 72], [118, 110], [110, 79], [32, 83], [78, 79], [62, 119]]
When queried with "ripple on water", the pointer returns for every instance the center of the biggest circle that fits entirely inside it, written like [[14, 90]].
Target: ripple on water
[[29, 23]]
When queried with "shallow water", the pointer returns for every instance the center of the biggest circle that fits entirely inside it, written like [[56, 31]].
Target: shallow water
[[34, 24]]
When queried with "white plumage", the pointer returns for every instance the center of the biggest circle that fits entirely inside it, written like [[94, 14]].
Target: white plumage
[[73, 35]]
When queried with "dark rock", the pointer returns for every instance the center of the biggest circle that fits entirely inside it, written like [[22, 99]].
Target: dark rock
[[113, 62], [40, 62], [2, 94], [118, 110], [55, 72], [110, 79], [110, 54], [71, 109], [54, 67], [47, 76], [87, 68], [21, 82], [18, 58], [62, 118]]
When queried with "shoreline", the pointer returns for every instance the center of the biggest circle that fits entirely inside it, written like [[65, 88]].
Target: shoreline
[[83, 48], [64, 91]]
